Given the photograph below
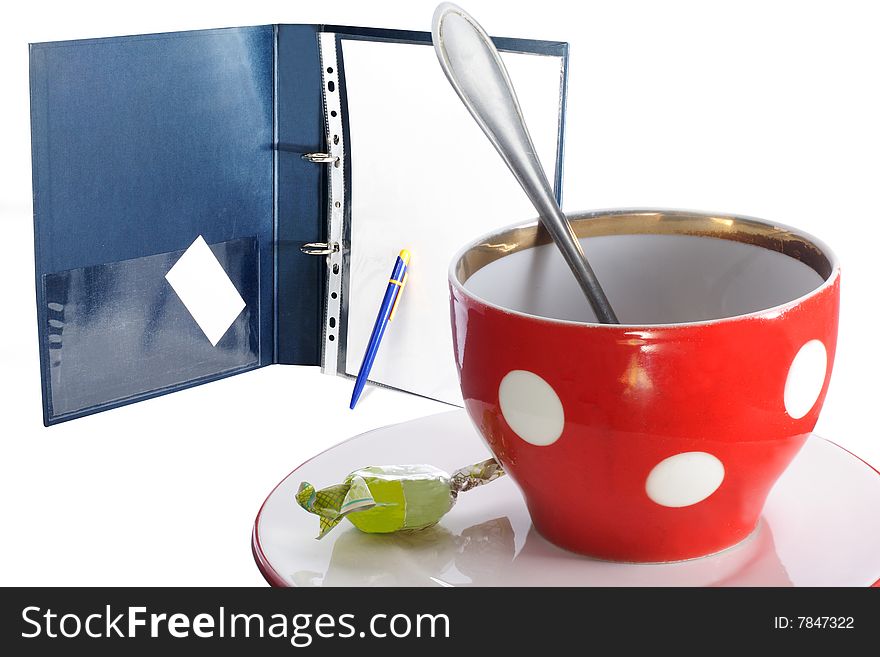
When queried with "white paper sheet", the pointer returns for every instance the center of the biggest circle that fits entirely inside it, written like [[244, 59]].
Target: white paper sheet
[[425, 178]]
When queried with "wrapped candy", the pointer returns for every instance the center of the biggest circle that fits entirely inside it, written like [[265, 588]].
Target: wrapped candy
[[391, 498]]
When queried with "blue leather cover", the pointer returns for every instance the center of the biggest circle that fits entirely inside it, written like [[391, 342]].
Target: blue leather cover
[[140, 144], [301, 196]]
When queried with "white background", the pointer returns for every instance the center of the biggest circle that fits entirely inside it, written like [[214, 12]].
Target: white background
[[765, 109]]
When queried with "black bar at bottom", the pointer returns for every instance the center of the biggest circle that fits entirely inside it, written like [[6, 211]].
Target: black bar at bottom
[[399, 621]]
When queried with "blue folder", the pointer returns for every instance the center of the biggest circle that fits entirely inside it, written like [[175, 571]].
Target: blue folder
[[143, 143]]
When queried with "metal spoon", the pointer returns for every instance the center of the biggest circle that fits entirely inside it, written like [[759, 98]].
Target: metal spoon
[[477, 74]]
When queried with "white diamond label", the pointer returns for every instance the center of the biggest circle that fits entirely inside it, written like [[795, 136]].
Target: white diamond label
[[203, 286]]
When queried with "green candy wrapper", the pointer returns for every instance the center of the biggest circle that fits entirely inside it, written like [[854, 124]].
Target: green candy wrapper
[[389, 498]]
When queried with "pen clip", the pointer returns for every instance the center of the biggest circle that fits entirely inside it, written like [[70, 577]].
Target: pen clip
[[401, 285]]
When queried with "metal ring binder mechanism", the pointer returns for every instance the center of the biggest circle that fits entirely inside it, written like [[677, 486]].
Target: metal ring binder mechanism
[[320, 248], [135, 159], [320, 158]]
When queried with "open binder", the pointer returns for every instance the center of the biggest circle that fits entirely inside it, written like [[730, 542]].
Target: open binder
[[213, 201]]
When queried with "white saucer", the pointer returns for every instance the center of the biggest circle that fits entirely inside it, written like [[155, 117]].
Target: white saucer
[[820, 527]]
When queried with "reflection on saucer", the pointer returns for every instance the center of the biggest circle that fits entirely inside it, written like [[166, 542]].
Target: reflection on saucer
[[485, 555], [753, 562], [485, 550], [419, 558]]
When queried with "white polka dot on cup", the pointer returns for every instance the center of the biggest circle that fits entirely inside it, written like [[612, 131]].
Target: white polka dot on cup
[[805, 379], [531, 407], [684, 479]]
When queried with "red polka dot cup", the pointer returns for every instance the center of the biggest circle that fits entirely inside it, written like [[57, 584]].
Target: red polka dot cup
[[657, 439]]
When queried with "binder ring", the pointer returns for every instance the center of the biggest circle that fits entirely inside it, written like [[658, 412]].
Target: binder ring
[[320, 248], [320, 158]]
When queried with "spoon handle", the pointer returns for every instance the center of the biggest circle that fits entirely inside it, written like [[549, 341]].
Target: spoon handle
[[476, 72]]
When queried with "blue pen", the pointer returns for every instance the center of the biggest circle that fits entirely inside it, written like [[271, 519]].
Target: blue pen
[[386, 314]]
